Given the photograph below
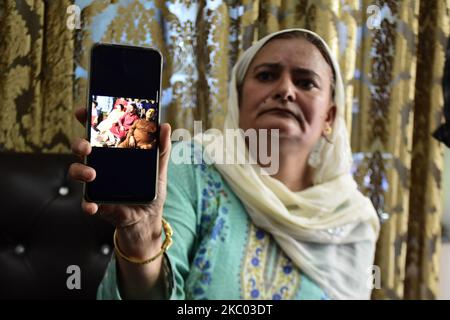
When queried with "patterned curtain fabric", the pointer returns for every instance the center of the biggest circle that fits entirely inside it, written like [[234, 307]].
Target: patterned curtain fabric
[[391, 54], [36, 81]]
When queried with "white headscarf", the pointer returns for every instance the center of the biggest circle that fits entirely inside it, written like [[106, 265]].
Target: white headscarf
[[329, 230]]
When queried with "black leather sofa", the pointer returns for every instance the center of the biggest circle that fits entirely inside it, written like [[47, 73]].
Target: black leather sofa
[[49, 249]]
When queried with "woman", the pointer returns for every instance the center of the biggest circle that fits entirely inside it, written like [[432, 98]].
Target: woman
[[112, 118], [305, 232], [120, 127]]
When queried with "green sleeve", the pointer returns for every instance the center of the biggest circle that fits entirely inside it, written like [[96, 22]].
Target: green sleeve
[[108, 289], [180, 210]]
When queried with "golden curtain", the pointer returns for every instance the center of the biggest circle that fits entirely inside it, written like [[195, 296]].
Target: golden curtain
[[392, 74], [36, 83]]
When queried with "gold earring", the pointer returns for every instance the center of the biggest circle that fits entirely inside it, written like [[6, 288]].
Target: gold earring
[[328, 130]]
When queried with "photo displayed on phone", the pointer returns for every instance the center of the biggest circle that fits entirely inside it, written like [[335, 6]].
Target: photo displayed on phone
[[121, 122]]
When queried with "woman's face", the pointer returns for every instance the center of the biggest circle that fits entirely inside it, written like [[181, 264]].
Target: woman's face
[[130, 108], [288, 87]]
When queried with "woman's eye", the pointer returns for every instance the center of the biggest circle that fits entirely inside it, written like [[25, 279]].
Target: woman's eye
[[265, 76], [305, 84]]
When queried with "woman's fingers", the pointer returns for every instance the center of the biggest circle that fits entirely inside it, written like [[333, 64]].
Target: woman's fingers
[[78, 171], [90, 208], [81, 172], [164, 135], [165, 146], [81, 147], [81, 115], [164, 155]]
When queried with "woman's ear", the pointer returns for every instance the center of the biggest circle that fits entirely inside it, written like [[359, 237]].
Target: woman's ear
[[331, 115], [328, 125]]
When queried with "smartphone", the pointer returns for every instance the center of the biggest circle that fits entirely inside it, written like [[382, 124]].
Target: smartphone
[[123, 123]]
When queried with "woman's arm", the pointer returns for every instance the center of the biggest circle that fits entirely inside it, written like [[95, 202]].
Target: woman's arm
[[138, 227], [181, 211], [137, 281]]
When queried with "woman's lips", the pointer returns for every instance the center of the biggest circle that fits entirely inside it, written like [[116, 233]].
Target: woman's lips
[[283, 113], [286, 113]]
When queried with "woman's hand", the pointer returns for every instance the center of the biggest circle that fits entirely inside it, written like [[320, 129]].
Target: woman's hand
[[138, 226]]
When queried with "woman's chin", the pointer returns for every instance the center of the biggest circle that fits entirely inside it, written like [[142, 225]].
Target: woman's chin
[[285, 129]]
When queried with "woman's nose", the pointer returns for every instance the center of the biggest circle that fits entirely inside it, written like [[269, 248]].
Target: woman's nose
[[285, 90]]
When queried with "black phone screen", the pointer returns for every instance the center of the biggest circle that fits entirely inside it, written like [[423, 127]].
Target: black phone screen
[[123, 123]]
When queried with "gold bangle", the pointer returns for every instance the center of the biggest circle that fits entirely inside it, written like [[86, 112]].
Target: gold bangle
[[165, 246]]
